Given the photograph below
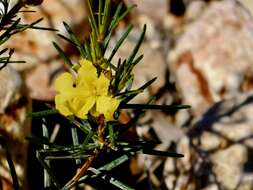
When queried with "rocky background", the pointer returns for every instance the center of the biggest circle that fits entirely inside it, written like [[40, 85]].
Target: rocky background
[[202, 53]]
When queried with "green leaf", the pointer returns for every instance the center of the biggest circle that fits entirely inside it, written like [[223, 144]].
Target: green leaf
[[63, 55], [71, 34], [92, 20], [112, 180], [119, 43], [100, 172], [73, 39], [110, 30], [87, 138], [112, 135], [43, 113], [118, 18], [154, 107], [66, 39], [142, 88], [75, 140], [48, 169], [41, 141], [137, 46], [105, 18]]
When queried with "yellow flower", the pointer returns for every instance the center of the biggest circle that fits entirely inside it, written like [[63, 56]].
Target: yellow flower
[[84, 93]]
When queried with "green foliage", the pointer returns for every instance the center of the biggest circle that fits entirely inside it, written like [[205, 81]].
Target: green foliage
[[10, 24]]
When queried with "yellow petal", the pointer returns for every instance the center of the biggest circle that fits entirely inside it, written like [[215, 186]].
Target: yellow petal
[[61, 104], [87, 71], [86, 106], [94, 112], [107, 105], [64, 82], [102, 85]]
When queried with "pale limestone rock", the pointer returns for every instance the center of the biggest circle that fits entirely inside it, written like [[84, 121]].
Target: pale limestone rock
[[14, 124], [39, 81], [227, 165], [222, 137], [194, 9], [147, 7], [35, 46], [211, 187], [209, 62], [162, 126], [10, 84], [210, 141], [248, 4]]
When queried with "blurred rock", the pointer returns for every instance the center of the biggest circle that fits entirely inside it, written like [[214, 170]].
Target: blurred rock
[[35, 46], [248, 4], [194, 10], [206, 72], [39, 80], [10, 84], [162, 126], [217, 148], [228, 165], [147, 7], [14, 124]]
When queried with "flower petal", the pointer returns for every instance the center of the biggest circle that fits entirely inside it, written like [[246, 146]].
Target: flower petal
[[64, 82], [107, 105], [61, 104], [102, 85], [87, 72], [87, 105]]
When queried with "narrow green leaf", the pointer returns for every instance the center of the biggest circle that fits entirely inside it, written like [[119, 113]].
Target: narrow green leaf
[[47, 168], [47, 181], [66, 39], [1, 62], [119, 43], [112, 180], [43, 113], [71, 34], [154, 107], [115, 163], [70, 157], [75, 141], [6, 35], [92, 19], [100, 13], [112, 135], [137, 46], [106, 168], [121, 17], [88, 52], [137, 60], [127, 99], [63, 55], [87, 138], [3, 51], [105, 18], [41, 141]]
